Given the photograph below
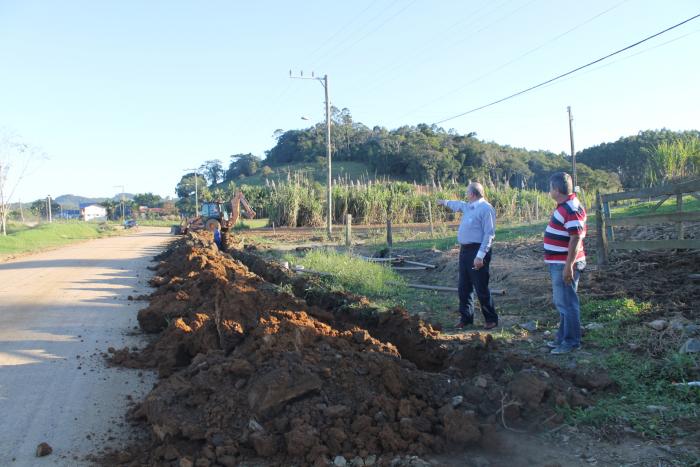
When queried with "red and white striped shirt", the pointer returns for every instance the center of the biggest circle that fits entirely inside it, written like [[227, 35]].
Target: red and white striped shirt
[[569, 218]]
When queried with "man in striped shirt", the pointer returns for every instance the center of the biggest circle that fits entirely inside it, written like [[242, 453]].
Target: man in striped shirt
[[564, 253]]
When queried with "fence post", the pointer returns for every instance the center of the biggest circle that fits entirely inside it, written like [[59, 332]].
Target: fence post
[[600, 227], [679, 209], [348, 230], [608, 225], [430, 218]]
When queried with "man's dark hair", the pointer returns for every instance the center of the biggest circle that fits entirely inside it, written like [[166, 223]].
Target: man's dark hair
[[561, 181]]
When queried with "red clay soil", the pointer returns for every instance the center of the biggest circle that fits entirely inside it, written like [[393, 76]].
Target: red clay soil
[[251, 372]]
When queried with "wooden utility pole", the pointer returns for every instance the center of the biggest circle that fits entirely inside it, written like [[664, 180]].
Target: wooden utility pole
[[329, 198], [573, 154]]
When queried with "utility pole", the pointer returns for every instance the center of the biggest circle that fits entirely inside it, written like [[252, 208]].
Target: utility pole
[[121, 200], [573, 154], [21, 211], [48, 208], [329, 195]]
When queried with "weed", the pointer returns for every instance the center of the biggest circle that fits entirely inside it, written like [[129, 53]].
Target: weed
[[351, 273], [647, 401]]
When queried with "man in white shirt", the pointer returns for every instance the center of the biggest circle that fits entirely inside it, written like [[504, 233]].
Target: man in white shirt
[[475, 236]]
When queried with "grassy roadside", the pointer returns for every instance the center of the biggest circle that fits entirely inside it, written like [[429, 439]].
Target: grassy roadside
[[24, 239], [646, 366]]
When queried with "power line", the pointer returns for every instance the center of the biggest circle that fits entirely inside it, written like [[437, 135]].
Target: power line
[[474, 18], [347, 38], [378, 27], [568, 72], [592, 70], [519, 57], [343, 28]]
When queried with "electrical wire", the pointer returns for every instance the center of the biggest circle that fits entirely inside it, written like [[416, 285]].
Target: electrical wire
[[337, 32], [475, 17], [378, 27], [510, 62], [568, 72], [349, 37], [614, 62]]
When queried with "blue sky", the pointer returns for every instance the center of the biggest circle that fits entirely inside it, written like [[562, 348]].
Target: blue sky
[[132, 93]]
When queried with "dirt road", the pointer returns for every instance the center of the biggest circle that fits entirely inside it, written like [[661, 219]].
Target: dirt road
[[59, 311]]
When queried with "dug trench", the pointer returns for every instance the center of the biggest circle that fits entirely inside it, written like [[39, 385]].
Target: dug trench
[[259, 365]]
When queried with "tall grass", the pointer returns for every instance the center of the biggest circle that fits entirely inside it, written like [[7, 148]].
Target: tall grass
[[301, 202], [674, 160], [351, 273]]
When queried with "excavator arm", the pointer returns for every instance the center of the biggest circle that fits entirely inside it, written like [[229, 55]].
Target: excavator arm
[[236, 202]]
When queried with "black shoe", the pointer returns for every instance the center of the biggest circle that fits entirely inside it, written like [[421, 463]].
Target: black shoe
[[488, 326]]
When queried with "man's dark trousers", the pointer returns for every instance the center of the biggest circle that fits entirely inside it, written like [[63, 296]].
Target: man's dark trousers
[[473, 281]]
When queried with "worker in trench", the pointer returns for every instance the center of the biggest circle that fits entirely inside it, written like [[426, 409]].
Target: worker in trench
[[475, 236], [214, 227]]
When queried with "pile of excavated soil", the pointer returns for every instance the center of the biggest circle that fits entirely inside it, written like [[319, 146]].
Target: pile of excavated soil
[[250, 372]]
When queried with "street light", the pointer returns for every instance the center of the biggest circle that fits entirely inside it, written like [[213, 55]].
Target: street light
[[329, 199], [196, 191]]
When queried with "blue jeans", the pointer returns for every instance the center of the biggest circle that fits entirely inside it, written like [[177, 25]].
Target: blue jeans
[[566, 302]]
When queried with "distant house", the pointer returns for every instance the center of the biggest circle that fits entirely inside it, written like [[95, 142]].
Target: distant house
[[92, 212]]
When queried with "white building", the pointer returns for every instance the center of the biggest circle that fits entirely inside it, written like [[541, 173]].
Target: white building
[[93, 212]]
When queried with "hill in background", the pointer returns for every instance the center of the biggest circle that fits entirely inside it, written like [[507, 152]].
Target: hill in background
[[74, 201]]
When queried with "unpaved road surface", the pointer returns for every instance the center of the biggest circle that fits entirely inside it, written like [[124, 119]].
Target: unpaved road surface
[[59, 310]]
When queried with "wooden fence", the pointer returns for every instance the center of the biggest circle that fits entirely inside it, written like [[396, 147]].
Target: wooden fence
[[605, 223]]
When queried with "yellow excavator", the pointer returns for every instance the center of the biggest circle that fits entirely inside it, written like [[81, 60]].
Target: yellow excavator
[[215, 214]]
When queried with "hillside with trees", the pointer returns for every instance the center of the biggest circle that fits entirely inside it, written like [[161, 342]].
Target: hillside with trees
[[430, 155]]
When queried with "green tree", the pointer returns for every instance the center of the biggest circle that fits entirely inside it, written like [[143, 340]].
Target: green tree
[[185, 190], [213, 170], [148, 199], [242, 165], [38, 208], [112, 207]]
